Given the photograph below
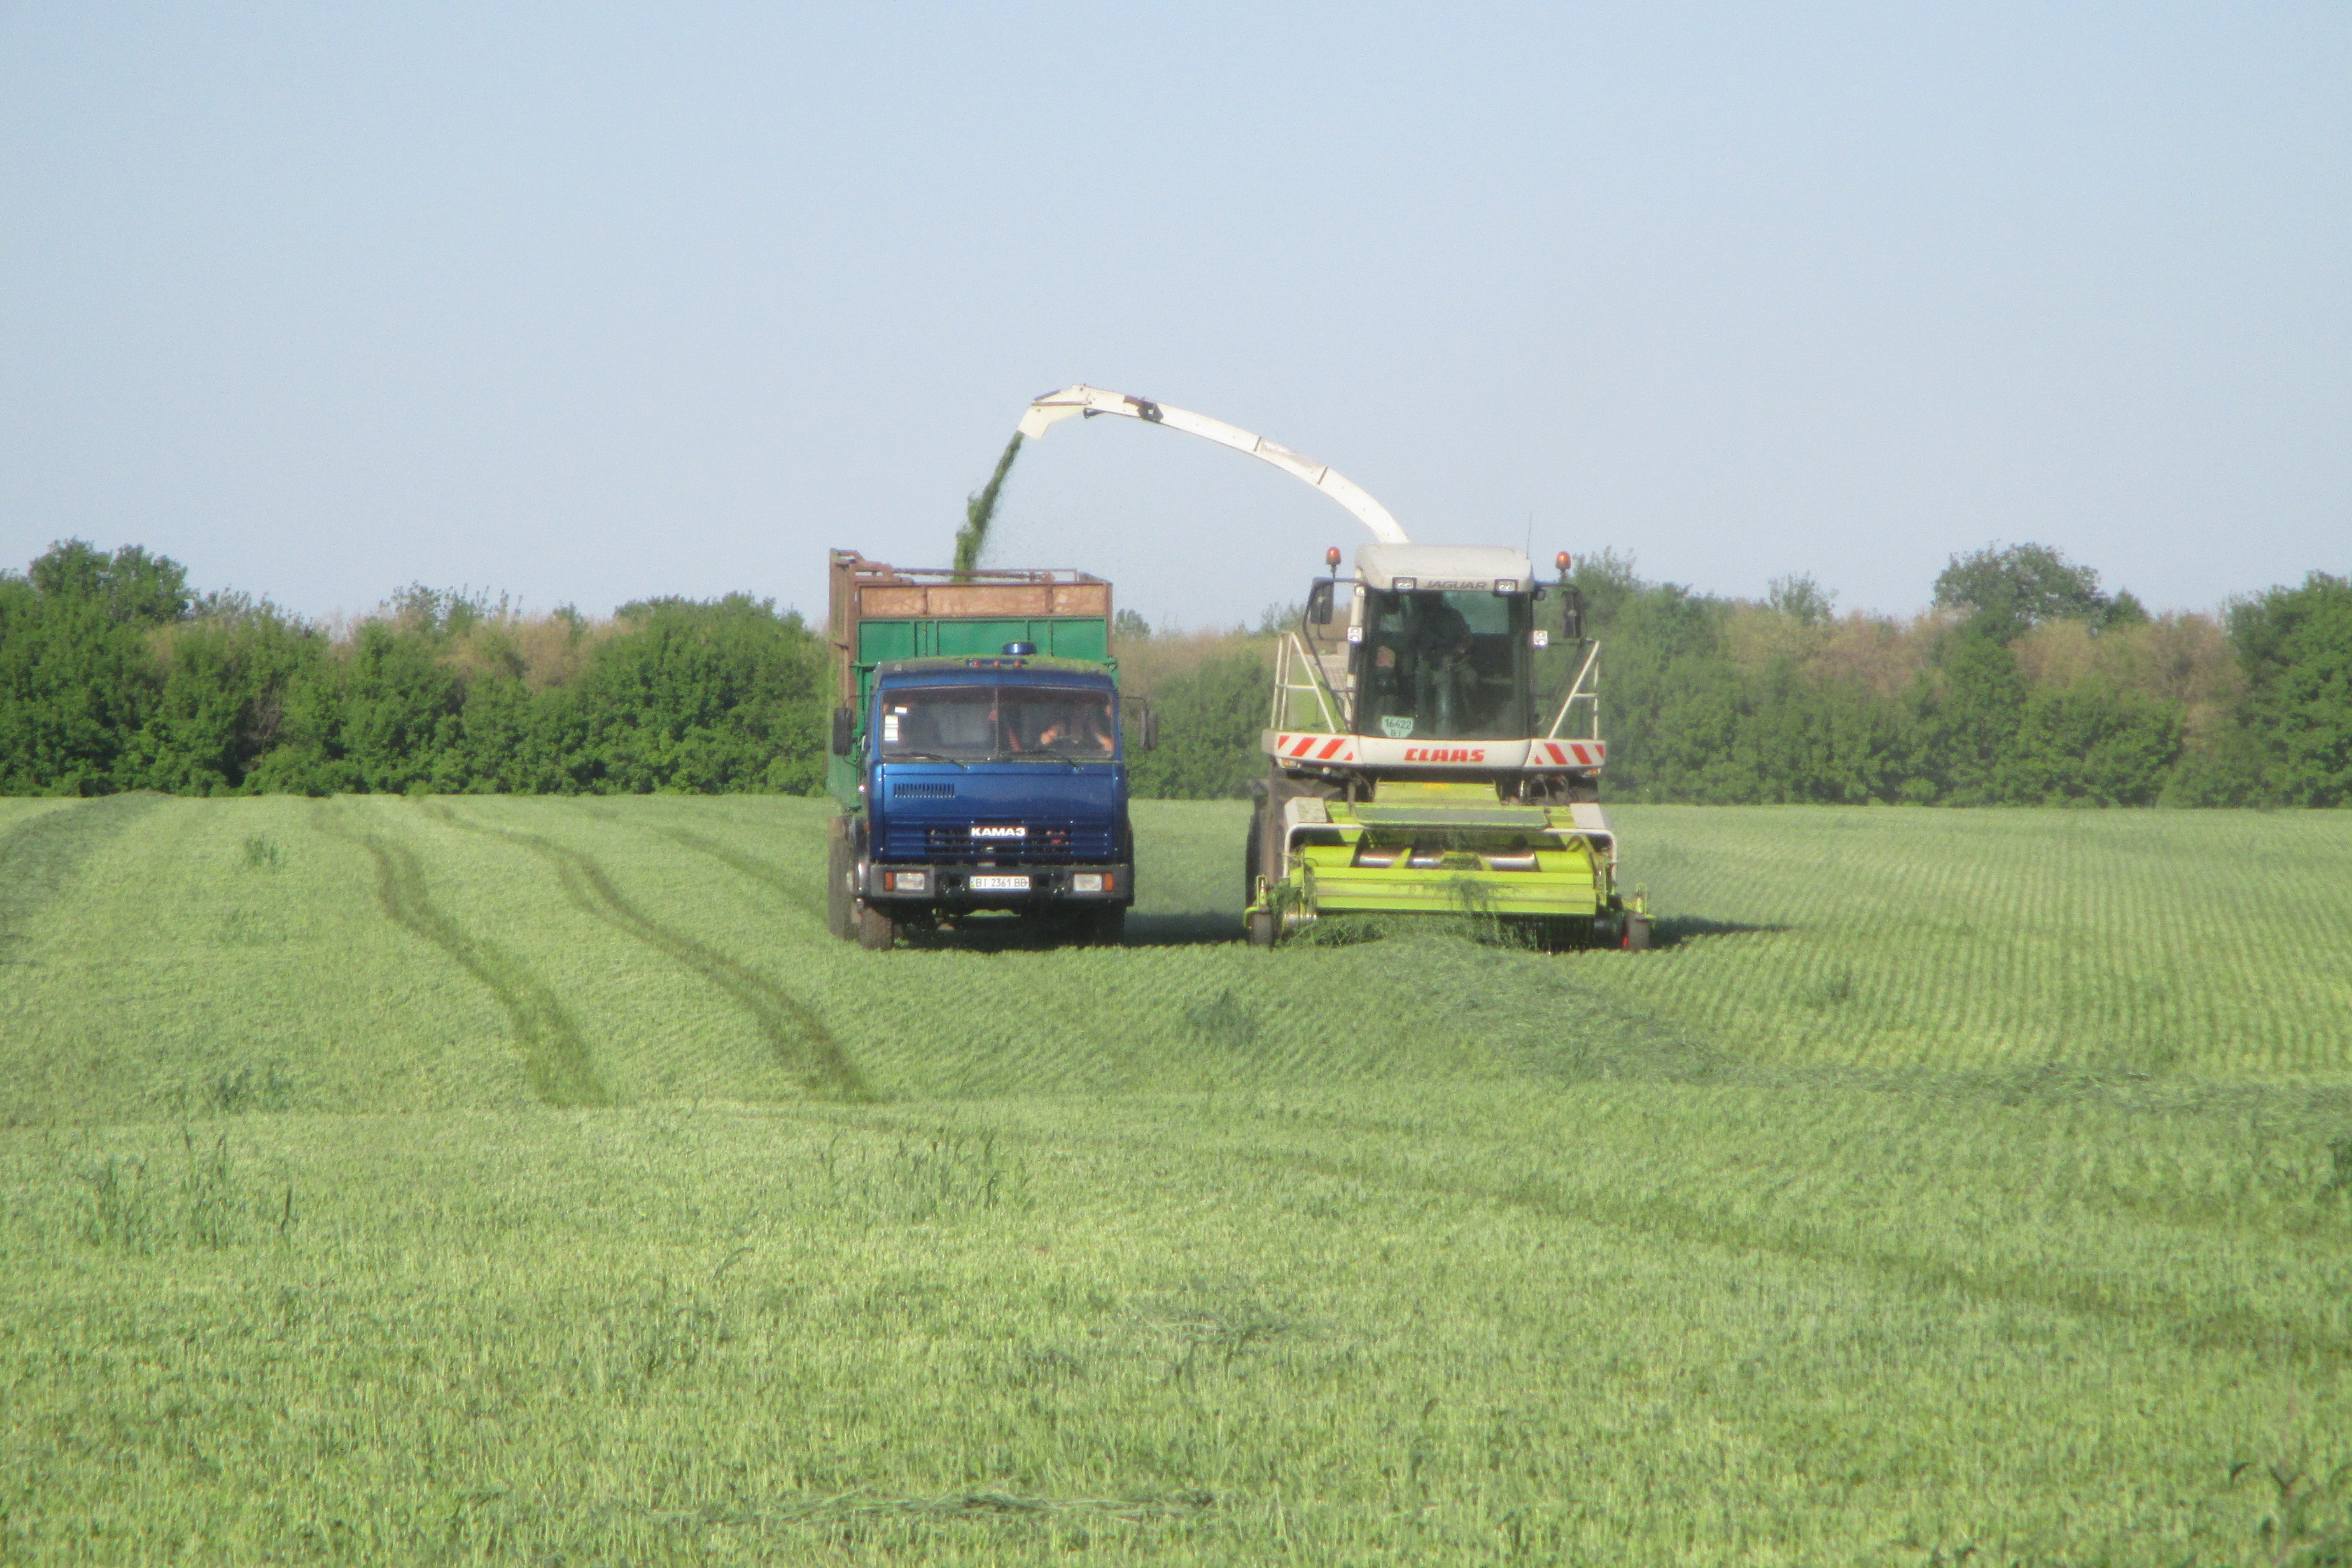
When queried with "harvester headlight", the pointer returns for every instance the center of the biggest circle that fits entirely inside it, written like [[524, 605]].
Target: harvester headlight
[[1506, 585], [1407, 585], [1087, 882]]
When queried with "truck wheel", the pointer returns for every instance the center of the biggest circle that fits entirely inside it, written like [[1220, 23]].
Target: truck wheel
[[1262, 927], [875, 931], [1637, 934], [1105, 928], [840, 903]]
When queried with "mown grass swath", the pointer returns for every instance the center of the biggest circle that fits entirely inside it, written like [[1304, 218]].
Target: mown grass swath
[[1967, 1185]]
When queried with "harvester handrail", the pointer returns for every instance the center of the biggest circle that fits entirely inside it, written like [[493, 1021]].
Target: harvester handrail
[[1577, 693], [1323, 697]]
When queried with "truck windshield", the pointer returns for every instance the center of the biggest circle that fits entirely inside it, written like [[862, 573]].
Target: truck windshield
[[984, 724], [1446, 665]]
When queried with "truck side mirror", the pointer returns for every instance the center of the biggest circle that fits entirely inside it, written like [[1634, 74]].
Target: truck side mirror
[[1318, 602], [1146, 724], [842, 719], [1571, 613]]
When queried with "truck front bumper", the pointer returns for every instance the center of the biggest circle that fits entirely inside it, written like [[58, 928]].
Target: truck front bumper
[[970, 887]]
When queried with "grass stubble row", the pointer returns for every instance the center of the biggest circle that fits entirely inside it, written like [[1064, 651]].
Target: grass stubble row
[[1952, 1180]]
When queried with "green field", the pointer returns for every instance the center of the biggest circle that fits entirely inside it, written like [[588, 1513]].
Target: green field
[[532, 1180]]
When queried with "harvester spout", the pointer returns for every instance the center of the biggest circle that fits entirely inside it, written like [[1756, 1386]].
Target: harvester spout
[[1089, 401]]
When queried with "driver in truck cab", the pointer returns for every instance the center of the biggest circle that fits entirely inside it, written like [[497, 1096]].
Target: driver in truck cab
[[1080, 730]]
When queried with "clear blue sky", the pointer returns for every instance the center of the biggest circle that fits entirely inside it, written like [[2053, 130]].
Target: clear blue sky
[[588, 304]]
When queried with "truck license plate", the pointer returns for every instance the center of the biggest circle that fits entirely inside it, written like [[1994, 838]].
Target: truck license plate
[[999, 884]]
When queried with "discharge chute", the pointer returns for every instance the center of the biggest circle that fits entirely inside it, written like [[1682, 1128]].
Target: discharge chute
[[1088, 401]]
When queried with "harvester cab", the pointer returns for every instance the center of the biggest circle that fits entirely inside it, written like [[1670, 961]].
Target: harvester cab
[[1433, 743], [1433, 746]]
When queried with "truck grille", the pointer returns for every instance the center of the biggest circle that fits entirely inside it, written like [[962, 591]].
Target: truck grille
[[1045, 842]]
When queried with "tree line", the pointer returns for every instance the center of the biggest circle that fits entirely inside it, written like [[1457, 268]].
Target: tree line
[[114, 676], [2025, 684]]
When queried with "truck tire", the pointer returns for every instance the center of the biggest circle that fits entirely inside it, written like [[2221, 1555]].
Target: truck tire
[[1103, 928], [876, 931], [840, 865]]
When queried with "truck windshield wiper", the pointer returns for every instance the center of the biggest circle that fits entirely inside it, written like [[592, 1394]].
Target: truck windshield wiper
[[925, 757], [1045, 752]]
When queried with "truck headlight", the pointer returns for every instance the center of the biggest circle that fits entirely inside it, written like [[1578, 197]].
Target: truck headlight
[[907, 881], [1087, 882]]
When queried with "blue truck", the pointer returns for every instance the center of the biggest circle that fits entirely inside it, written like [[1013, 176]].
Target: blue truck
[[978, 753]]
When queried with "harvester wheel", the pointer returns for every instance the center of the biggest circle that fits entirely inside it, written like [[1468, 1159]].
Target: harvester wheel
[[875, 931], [1252, 858], [1637, 934], [1262, 927], [840, 903], [1563, 934]]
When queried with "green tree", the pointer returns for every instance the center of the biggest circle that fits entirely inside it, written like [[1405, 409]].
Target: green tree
[[702, 697], [1210, 721], [2124, 610], [2092, 745], [1834, 742], [77, 676], [401, 709], [2008, 591], [1669, 696], [1971, 724], [1802, 599], [130, 587], [2295, 646], [228, 676]]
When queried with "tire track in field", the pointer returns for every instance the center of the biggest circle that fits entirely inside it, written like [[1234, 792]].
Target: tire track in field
[[767, 873], [2148, 1306], [794, 1030], [555, 1058], [40, 856], [2144, 1306]]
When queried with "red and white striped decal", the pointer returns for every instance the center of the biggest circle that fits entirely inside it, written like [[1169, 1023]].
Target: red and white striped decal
[[1315, 748], [1320, 746]]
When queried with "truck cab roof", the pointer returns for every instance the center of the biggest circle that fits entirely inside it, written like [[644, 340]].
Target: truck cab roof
[[994, 668]]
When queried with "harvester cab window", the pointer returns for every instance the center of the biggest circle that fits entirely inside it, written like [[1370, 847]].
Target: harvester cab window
[[1446, 665], [983, 723]]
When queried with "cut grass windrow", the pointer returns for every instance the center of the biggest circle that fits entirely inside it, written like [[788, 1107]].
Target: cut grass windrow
[[793, 1029], [555, 1058]]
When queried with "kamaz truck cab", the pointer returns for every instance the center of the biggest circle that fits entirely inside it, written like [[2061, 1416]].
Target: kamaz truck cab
[[980, 754]]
